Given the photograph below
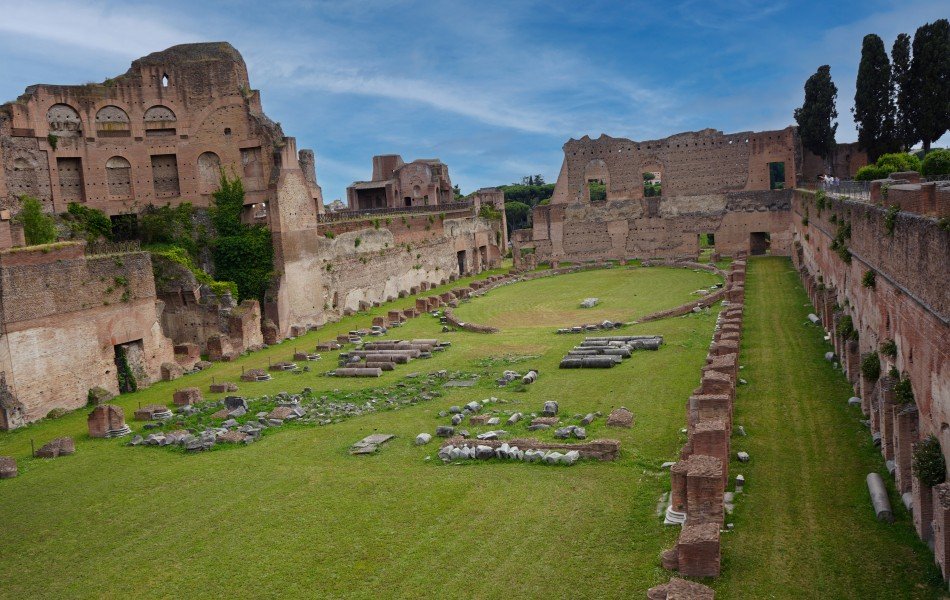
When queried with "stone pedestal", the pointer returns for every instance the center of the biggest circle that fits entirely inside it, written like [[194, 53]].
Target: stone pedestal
[[704, 490], [187, 396], [107, 421], [698, 550], [923, 509], [905, 436]]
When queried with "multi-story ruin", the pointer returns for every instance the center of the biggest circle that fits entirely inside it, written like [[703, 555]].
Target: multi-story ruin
[[396, 184], [161, 134], [733, 186], [158, 134]]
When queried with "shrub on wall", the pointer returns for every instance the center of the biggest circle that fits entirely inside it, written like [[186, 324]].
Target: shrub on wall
[[887, 164], [173, 226], [937, 162], [38, 227], [242, 253], [903, 392], [869, 279], [846, 328], [890, 219], [871, 366], [929, 464], [889, 348], [90, 224]]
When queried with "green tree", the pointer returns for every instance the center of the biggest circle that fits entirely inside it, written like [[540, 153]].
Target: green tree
[[518, 215], [241, 253], [816, 116], [38, 227], [457, 192], [937, 162], [930, 80], [873, 107], [903, 89]]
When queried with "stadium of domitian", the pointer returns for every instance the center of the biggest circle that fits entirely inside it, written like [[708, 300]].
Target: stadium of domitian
[[715, 364]]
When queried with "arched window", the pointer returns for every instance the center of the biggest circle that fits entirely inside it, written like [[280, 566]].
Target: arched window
[[160, 121], [119, 177], [164, 80], [112, 121], [209, 172], [64, 121]]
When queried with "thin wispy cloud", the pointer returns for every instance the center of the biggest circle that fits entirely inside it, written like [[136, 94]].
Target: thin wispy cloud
[[493, 88]]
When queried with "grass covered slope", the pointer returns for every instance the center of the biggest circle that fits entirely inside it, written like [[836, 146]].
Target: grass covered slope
[[294, 515], [555, 301], [805, 527]]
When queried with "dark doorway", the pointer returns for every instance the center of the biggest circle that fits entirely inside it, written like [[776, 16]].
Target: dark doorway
[[460, 255], [125, 227], [776, 176], [129, 365], [759, 242], [407, 200]]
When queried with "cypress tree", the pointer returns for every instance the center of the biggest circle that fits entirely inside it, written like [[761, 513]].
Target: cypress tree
[[815, 116], [904, 135], [873, 106], [930, 79]]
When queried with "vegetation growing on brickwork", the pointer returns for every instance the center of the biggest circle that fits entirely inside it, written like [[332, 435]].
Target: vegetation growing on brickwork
[[840, 242], [357, 242], [846, 328], [180, 256], [821, 200], [52, 140], [329, 235], [871, 366], [889, 348], [173, 226], [38, 227], [242, 253], [929, 465], [869, 279], [127, 381], [903, 391], [489, 212], [90, 224], [890, 219]]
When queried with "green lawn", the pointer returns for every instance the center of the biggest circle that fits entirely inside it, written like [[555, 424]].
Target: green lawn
[[294, 515], [805, 528]]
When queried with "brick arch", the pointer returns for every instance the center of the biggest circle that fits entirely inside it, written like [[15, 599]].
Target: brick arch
[[63, 120], [595, 169]]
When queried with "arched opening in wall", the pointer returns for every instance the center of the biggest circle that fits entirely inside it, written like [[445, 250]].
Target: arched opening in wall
[[112, 121], [776, 175], [652, 181], [209, 172], [759, 243], [63, 121], [160, 121], [460, 257], [119, 177], [596, 180], [164, 80], [407, 201]]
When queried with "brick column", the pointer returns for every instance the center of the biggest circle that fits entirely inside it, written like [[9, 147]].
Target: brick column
[[710, 438], [866, 390], [852, 360], [678, 474], [905, 436], [885, 390], [923, 509], [941, 525], [698, 550], [704, 490]]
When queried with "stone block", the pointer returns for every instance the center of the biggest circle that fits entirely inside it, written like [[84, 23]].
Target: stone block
[[171, 371], [186, 396], [681, 589], [8, 468], [63, 446], [698, 550], [107, 420]]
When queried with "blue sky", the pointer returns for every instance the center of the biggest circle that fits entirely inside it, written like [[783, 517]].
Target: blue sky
[[494, 89]]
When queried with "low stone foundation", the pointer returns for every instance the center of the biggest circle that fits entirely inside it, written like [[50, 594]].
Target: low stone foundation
[[596, 449]]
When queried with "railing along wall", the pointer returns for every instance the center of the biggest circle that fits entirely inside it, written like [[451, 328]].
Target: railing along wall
[[347, 215]]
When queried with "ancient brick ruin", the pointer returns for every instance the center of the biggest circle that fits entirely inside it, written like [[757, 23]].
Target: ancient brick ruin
[[903, 301], [158, 134], [711, 183]]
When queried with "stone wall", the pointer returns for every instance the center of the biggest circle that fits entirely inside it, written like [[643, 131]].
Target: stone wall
[[62, 315], [326, 270], [907, 303], [160, 133], [712, 183]]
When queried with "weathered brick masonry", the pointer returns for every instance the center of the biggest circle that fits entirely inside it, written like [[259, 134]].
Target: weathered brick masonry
[[908, 303]]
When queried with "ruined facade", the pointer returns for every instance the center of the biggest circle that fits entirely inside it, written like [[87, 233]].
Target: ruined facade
[[336, 263], [69, 322], [398, 184], [885, 282], [734, 186], [158, 134]]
